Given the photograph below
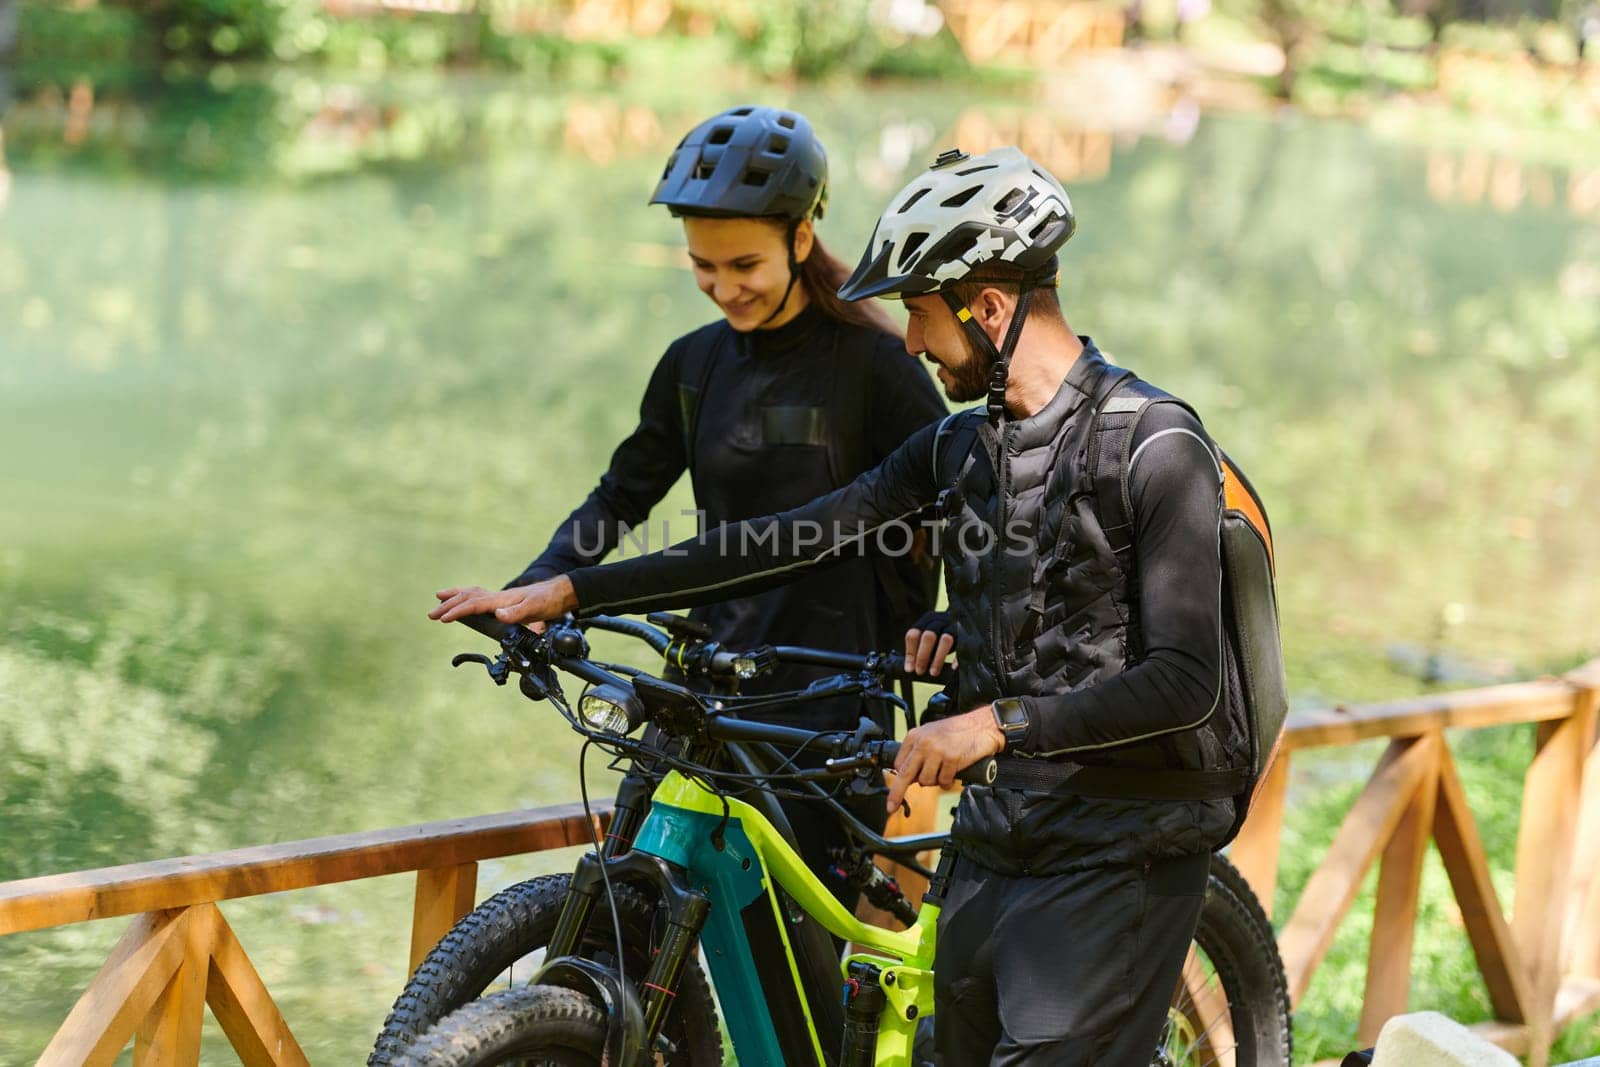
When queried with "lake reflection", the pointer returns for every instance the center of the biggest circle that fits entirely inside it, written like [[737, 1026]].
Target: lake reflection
[[280, 358]]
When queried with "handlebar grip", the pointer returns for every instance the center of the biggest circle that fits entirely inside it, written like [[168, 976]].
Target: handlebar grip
[[489, 626], [983, 772]]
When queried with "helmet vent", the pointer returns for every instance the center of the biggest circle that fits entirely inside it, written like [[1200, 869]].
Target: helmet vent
[[786, 121], [913, 242], [720, 135], [959, 248], [741, 111], [974, 170], [704, 170], [918, 195], [962, 197], [777, 145], [755, 177], [1049, 220], [1009, 202]]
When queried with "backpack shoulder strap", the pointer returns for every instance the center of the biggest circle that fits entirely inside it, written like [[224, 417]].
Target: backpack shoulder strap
[[953, 443], [1111, 456]]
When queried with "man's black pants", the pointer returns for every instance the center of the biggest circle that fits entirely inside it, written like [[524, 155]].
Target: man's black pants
[[1062, 970]]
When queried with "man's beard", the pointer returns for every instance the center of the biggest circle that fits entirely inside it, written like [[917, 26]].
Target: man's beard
[[969, 380]]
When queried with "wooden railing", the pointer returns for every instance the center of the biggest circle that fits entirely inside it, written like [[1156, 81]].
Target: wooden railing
[[1541, 967], [180, 954]]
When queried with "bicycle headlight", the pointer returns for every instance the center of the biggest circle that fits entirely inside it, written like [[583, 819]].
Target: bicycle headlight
[[611, 709]]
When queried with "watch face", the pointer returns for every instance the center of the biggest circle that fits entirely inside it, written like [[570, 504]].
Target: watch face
[[1008, 712]]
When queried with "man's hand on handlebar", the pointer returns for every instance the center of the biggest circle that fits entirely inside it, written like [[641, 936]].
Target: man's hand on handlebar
[[929, 643], [536, 603], [934, 754]]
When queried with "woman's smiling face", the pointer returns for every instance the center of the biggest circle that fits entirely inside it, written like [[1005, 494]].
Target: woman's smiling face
[[742, 265]]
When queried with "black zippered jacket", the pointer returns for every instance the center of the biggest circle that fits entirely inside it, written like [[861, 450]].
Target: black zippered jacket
[[1130, 685], [764, 421]]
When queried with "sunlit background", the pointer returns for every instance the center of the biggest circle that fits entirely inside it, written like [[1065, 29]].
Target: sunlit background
[[308, 309]]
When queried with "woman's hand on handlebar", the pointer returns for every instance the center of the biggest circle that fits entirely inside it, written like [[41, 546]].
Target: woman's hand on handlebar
[[929, 643], [934, 754], [536, 603]]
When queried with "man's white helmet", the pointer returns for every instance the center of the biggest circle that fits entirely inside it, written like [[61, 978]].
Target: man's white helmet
[[966, 211]]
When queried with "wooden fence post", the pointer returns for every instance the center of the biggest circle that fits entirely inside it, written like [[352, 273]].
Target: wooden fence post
[[170, 1034], [1455, 832], [1583, 913], [1364, 833], [1255, 850], [1394, 916], [1544, 861], [444, 895]]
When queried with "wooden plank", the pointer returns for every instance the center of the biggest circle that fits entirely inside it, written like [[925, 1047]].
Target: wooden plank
[[170, 1034], [1544, 862], [241, 1003], [1455, 833], [1582, 927], [121, 994], [1334, 885], [1255, 850], [444, 895], [1394, 917], [57, 899], [1493, 706]]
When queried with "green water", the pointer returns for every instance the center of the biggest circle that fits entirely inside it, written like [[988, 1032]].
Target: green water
[[281, 355]]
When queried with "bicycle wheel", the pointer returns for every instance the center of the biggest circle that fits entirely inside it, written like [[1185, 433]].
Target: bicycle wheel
[[540, 1026], [504, 939], [1231, 1008]]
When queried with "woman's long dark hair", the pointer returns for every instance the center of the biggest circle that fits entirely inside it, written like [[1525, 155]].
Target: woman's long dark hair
[[822, 273]]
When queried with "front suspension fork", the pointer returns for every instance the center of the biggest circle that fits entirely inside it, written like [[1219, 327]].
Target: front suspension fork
[[686, 912]]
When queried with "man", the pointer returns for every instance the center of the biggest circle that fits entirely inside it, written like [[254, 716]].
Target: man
[[1088, 627]]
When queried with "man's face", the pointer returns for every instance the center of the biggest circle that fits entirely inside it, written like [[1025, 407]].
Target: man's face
[[933, 333]]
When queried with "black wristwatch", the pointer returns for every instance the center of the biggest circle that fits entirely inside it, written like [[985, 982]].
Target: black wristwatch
[[1012, 718]]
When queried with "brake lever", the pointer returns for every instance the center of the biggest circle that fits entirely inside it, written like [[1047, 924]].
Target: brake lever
[[499, 668]]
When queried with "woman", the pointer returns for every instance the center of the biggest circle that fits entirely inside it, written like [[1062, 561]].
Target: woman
[[790, 395]]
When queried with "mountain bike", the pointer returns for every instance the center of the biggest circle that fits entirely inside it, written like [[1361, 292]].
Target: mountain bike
[[507, 936], [708, 871]]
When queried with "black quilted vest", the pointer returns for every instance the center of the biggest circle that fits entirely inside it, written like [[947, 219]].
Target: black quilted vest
[[995, 545], [1043, 605]]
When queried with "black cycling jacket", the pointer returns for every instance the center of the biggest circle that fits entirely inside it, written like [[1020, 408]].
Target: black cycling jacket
[[768, 434], [1173, 489]]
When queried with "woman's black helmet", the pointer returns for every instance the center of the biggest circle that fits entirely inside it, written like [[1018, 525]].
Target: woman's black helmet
[[748, 162]]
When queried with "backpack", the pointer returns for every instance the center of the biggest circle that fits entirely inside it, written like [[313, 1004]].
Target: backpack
[[1255, 690]]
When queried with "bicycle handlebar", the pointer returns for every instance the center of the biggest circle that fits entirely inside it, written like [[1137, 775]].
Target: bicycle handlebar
[[529, 647]]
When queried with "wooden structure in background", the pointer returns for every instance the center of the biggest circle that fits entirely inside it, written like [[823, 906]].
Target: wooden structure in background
[[1039, 33], [1069, 151], [1541, 966], [180, 955]]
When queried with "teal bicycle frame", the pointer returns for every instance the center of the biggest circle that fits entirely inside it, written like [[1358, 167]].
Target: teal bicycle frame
[[718, 864], [745, 873]]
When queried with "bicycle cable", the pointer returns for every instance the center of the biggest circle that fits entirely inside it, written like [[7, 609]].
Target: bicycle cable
[[605, 876]]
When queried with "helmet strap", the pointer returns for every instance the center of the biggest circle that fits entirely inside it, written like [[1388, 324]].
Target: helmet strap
[[794, 273], [1000, 366]]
